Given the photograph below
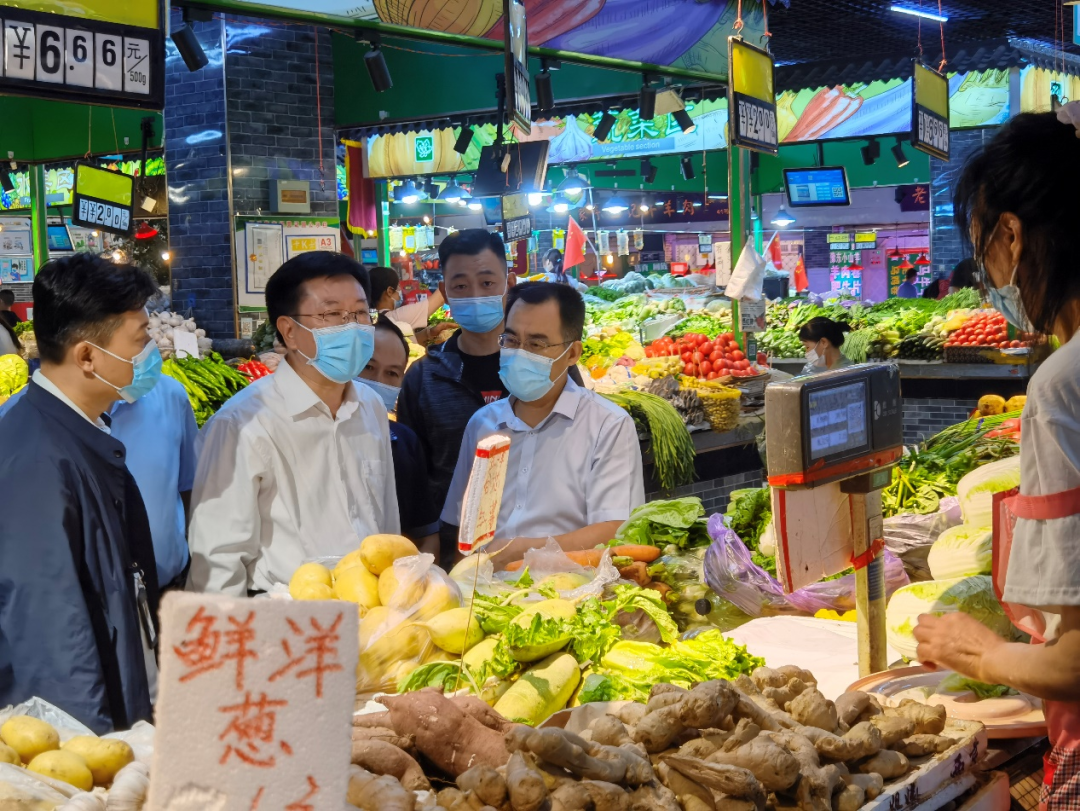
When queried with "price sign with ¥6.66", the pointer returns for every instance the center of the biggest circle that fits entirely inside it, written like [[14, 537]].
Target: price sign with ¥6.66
[[83, 60], [102, 199]]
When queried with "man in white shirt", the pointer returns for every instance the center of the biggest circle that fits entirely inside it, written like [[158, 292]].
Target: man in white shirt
[[574, 470], [297, 465]]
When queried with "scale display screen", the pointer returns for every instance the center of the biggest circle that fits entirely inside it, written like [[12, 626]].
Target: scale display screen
[[838, 419]]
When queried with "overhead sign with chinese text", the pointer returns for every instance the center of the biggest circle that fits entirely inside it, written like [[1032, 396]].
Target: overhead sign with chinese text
[[517, 218], [752, 98], [102, 199], [90, 59], [518, 100], [930, 112]]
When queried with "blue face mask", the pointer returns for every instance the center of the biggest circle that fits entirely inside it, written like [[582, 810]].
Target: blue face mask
[[1006, 300], [389, 394], [477, 315], [147, 370], [341, 353], [525, 375]]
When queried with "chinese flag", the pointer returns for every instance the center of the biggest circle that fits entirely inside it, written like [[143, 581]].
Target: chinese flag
[[802, 283], [773, 253], [575, 245]]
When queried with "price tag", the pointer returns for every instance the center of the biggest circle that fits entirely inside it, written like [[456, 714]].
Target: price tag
[[136, 66], [79, 56], [20, 51], [108, 71], [50, 48], [185, 343], [102, 199]]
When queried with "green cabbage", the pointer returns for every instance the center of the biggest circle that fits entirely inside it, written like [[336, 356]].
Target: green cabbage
[[972, 595], [961, 552], [976, 490]]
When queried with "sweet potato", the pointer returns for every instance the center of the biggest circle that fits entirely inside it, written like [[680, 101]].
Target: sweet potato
[[444, 733], [404, 742], [380, 757], [377, 793], [482, 712]]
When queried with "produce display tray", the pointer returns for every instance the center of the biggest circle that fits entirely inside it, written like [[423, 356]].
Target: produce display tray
[[1008, 717]]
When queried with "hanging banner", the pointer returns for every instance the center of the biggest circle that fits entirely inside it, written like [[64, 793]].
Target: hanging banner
[[91, 59], [516, 48], [102, 199], [751, 98], [517, 218], [930, 112]]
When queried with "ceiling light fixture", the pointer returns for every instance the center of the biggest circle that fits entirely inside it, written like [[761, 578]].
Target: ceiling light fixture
[[922, 260], [615, 204], [376, 65], [475, 205], [648, 171], [464, 139], [574, 182], [145, 231], [559, 204], [898, 153], [603, 129], [545, 98], [871, 152], [407, 193], [782, 218], [685, 122], [918, 12], [452, 192], [188, 45], [855, 266], [646, 101], [905, 265], [686, 166]]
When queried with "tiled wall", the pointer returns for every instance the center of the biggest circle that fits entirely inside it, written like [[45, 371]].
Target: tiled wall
[[924, 417], [197, 158], [713, 493], [946, 247]]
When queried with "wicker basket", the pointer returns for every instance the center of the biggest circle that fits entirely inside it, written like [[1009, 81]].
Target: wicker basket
[[722, 408]]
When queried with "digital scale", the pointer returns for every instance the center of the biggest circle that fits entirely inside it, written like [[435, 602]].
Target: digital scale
[[831, 441]]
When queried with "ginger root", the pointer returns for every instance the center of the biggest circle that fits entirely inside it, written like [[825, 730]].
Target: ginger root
[[485, 784], [653, 797], [524, 784], [571, 797], [404, 742], [732, 780], [814, 791], [699, 748], [590, 760], [871, 784], [691, 795], [706, 705], [775, 767], [929, 720], [850, 706], [851, 798], [922, 744], [888, 763], [893, 728], [812, 709], [861, 741], [607, 796], [630, 713], [377, 793], [744, 732]]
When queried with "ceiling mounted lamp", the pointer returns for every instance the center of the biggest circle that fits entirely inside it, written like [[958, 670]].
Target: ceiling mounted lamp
[[686, 166], [905, 265], [643, 207], [855, 266], [918, 12], [922, 260], [895, 253], [685, 122], [453, 193], [574, 182], [615, 204], [464, 139], [898, 153], [431, 191], [603, 129], [475, 205], [783, 219], [648, 171], [145, 231], [375, 63], [188, 45], [559, 204], [545, 98], [407, 193], [646, 101], [871, 152]]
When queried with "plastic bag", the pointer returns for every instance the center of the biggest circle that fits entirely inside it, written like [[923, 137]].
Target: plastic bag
[[732, 574], [29, 791], [748, 276], [477, 572], [66, 726], [910, 536], [393, 640]]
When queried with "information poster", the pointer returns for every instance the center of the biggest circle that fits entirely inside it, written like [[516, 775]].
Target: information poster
[[325, 240], [15, 242], [263, 244], [846, 282], [16, 269], [516, 39], [263, 254]]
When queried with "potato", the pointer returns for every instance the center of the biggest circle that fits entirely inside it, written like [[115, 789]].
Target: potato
[[104, 756], [378, 552], [29, 736], [65, 766]]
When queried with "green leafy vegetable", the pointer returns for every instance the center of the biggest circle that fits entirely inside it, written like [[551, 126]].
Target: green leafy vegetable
[[678, 521], [959, 684]]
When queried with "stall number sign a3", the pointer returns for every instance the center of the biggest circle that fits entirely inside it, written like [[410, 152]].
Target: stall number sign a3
[[102, 199], [81, 60]]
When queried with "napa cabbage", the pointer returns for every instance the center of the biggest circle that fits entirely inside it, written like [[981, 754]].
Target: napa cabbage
[[976, 490], [961, 551]]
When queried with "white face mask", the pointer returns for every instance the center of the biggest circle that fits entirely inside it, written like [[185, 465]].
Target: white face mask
[[814, 358]]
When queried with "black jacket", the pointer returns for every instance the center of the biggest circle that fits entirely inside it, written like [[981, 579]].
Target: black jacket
[[437, 404], [73, 530]]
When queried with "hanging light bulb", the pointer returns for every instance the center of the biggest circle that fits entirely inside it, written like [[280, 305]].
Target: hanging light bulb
[[922, 260], [475, 205], [165, 256], [560, 205], [408, 193], [145, 231], [536, 198], [452, 192], [782, 218], [855, 265], [905, 265], [609, 259], [615, 204]]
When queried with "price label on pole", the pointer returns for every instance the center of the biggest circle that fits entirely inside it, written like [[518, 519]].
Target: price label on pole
[[102, 199], [751, 98]]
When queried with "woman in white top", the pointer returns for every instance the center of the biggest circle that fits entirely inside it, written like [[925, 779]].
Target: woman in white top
[[9, 343], [1017, 201], [387, 299]]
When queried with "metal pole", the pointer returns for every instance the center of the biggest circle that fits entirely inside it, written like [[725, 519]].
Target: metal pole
[[382, 220], [866, 525], [39, 220]]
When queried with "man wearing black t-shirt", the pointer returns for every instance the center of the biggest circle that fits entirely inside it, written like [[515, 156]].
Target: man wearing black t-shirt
[[442, 391]]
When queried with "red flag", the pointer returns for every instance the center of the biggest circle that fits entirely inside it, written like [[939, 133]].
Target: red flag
[[575, 245], [362, 200], [802, 283], [773, 253]]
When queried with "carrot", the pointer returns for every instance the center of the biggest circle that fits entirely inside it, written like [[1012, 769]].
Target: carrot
[[591, 557]]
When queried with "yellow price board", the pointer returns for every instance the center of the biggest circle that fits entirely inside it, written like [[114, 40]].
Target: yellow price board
[[930, 112], [141, 13], [102, 199], [751, 98]]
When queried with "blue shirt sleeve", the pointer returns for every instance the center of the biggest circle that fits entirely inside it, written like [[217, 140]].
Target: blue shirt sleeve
[[187, 445]]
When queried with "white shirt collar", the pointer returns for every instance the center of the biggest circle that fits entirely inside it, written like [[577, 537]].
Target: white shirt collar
[[566, 406], [55, 391], [300, 398]]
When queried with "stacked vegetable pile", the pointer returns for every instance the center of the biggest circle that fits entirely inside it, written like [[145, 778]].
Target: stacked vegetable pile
[[164, 324], [611, 346], [209, 382], [14, 374], [672, 448], [767, 740], [709, 323], [704, 358], [985, 328], [83, 761], [749, 515]]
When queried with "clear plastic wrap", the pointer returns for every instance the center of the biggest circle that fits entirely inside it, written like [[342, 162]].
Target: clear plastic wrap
[[910, 536], [732, 574], [23, 789]]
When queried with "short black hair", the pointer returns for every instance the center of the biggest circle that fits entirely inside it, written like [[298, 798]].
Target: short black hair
[[911, 274], [7, 297], [471, 242], [382, 279], [83, 298], [571, 304], [283, 289], [554, 255], [384, 323], [821, 327], [1030, 168]]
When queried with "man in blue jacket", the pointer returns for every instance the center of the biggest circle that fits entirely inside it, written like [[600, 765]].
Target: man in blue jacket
[[78, 587]]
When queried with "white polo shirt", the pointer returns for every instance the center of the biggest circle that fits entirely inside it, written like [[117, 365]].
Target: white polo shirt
[[580, 466]]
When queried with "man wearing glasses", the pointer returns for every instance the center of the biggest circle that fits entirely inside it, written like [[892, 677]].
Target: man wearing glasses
[[574, 470], [297, 465]]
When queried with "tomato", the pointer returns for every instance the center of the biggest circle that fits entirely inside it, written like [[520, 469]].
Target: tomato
[[705, 367], [698, 357], [687, 356], [715, 357], [688, 370], [1015, 344], [743, 364], [711, 376], [737, 355], [727, 336]]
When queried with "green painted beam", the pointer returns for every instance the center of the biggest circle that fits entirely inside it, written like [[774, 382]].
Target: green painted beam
[[39, 216]]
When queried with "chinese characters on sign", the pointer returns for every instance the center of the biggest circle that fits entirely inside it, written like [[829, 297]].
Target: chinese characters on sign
[[83, 60], [752, 99], [255, 702]]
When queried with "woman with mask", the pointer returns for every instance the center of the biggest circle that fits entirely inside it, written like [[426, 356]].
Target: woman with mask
[[1017, 202], [822, 338], [412, 319], [383, 375], [553, 260]]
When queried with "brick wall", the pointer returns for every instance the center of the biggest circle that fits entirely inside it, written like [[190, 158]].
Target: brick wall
[[197, 160], [275, 92], [946, 246], [714, 493], [924, 417]]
